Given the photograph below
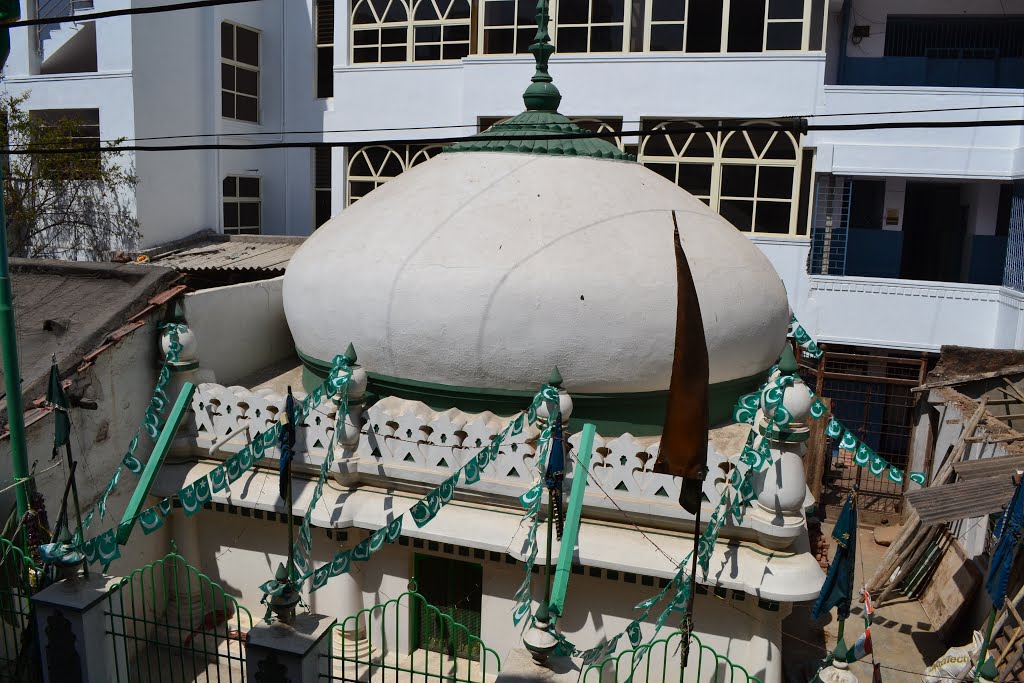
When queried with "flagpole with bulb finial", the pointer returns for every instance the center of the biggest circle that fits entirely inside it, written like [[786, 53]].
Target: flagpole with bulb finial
[[684, 442], [10, 10], [62, 435]]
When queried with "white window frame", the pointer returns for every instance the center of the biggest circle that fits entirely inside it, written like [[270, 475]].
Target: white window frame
[[242, 65], [241, 230], [409, 26], [407, 155], [719, 158]]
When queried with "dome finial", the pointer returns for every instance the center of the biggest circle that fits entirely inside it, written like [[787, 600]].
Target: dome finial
[[542, 95]]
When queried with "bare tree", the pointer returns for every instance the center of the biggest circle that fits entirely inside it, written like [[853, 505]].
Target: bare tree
[[77, 204]]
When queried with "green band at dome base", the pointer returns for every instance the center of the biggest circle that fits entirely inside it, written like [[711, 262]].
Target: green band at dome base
[[639, 413]]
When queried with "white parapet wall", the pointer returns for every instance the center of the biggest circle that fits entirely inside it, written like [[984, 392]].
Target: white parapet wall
[[239, 328]]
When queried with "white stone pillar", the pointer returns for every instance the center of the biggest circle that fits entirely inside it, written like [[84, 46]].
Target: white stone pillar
[[74, 634], [282, 652], [778, 514], [350, 429]]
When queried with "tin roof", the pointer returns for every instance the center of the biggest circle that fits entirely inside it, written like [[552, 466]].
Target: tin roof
[[209, 251]]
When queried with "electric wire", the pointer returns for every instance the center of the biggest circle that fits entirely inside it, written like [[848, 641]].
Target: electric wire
[[796, 127], [334, 131], [128, 11]]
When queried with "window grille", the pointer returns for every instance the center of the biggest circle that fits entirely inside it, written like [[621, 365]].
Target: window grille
[[831, 226]]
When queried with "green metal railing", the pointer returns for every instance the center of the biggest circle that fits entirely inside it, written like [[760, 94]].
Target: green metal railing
[[407, 639], [171, 623], [660, 664], [19, 654]]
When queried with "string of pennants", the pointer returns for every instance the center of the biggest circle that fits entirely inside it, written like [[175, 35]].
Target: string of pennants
[[737, 494], [105, 548], [863, 454], [152, 423], [797, 332], [424, 510]]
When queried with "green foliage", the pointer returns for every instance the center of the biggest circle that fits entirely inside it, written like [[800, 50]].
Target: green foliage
[[67, 205]]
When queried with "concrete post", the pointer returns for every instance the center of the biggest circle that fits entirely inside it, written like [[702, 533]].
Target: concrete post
[[778, 513], [74, 637], [281, 652]]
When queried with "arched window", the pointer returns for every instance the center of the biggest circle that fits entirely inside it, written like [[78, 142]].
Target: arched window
[[371, 166], [380, 31], [440, 30], [758, 180], [389, 31], [687, 159], [751, 177]]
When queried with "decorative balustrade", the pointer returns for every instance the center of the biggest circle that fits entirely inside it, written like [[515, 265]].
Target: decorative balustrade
[[407, 440]]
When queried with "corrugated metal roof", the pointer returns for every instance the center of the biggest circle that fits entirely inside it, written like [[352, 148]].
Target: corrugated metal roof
[[971, 498], [988, 467], [265, 253]]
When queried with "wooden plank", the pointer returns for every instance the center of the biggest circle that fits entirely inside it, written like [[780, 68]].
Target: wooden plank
[[815, 458], [899, 551], [987, 467]]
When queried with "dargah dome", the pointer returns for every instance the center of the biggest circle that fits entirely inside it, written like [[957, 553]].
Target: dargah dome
[[465, 280]]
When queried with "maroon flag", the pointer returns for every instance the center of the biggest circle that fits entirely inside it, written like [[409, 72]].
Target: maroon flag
[[684, 440]]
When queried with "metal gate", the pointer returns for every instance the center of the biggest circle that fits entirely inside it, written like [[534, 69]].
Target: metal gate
[[660, 663], [19, 654], [382, 643], [870, 395], [171, 623]]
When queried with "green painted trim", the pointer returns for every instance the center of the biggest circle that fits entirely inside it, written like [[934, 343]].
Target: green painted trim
[[784, 435], [572, 520], [639, 413], [156, 458], [496, 138]]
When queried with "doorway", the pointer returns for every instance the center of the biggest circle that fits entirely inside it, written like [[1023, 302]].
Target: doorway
[[456, 589], [934, 233]]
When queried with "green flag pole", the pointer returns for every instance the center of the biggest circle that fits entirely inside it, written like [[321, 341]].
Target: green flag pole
[[983, 653], [11, 11]]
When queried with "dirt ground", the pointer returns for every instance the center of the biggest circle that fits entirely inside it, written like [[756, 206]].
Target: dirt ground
[[904, 642]]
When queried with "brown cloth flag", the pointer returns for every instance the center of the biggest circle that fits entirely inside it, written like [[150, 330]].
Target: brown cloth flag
[[684, 441]]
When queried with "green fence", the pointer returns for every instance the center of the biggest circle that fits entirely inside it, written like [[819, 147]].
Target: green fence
[[660, 661], [171, 623], [407, 639], [19, 655]]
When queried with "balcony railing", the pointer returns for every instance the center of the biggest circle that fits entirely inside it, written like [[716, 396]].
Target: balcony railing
[[956, 70]]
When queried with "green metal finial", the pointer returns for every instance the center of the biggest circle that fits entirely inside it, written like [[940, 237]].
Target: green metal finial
[[542, 95], [555, 378], [350, 354], [281, 574], [787, 363]]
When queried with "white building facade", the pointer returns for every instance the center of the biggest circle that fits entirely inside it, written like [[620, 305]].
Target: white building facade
[[891, 242], [918, 216]]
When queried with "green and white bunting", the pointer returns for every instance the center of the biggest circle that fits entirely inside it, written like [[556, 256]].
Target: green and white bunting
[[796, 330], [918, 478], [152, 421], [426, 508]]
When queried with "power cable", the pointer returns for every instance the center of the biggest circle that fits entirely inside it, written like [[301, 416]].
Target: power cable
[[797, 127], [334, 131], [42, 21]]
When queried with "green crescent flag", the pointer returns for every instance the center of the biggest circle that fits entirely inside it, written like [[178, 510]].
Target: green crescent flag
[[61, 419]]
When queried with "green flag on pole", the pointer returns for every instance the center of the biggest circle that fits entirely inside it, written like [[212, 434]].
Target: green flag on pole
[[61, 420]]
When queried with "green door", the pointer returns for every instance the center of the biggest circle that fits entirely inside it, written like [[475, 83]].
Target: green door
[[456, 589]]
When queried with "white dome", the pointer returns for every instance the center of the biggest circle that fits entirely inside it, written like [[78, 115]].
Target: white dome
[[487, 269]]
